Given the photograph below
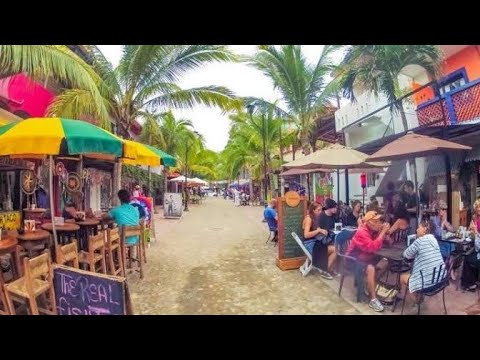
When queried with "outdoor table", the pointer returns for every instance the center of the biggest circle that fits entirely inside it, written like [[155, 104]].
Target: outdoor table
[[9, 245], [30, 241], [394, 253], [105, 223], [88, 227], [65, 232]]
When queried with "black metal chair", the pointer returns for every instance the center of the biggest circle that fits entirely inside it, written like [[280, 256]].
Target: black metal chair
[[440, 280], [349, 264]]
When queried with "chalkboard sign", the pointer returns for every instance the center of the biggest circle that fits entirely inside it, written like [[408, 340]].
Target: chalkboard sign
[[79, 292], [290, 220]]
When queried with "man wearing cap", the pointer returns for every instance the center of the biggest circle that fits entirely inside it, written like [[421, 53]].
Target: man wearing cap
[[324, 254], [367, 240]]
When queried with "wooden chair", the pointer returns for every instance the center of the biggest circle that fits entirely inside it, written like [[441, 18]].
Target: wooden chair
[[127, 249], [68, 255], [4, 310], [95, 254], [113, 247], [144, 240], [37, 281]]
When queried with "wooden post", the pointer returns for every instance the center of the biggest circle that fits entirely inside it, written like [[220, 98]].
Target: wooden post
[[52, 205]]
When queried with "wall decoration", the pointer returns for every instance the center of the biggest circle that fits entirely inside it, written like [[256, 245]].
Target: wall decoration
[[28, 182], [73, 183]]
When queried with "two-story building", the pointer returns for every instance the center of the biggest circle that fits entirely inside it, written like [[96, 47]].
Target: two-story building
[[448, 108]]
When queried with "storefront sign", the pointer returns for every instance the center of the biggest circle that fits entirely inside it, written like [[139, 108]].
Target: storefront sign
[[79, 292], [10, 220]]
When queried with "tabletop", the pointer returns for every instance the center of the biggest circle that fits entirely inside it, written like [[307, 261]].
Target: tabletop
[[65, 227], [394, 253], [33, 235], [88, 222], [8, 242], [36, 210]]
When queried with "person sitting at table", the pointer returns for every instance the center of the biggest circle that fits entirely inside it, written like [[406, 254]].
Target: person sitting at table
[[426, 256], [399, 230], [69, 212], [312, 234], [471, 264], [440, 224], [125, 214], [271, 217], [324, 255], [353, 217], [310, 227], [367, 240]]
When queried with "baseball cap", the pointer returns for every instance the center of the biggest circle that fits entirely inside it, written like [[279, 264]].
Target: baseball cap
[[330, 204], [372, 215]]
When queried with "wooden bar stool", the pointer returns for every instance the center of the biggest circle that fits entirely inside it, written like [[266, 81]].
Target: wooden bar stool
[[4, 310], [38, 280], [95, 254], [127, 249], [68, 255], [113, 249]]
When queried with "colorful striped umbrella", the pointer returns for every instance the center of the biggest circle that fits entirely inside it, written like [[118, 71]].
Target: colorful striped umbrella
[[56, 136], [148, 155]]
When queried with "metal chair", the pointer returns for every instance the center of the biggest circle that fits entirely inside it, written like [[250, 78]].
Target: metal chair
[[342, 241], [440, 280], [308, 264]]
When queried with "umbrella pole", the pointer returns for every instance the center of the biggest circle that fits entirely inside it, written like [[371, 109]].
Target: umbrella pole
[[448, 171], [347, 190], [52, 208], [308, 186], [417, 192], [338, 186]]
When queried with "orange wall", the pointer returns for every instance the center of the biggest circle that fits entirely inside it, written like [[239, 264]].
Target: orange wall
[[423, 95], [468, 58]]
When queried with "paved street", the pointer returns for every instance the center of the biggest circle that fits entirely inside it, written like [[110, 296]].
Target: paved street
[[215, 261]]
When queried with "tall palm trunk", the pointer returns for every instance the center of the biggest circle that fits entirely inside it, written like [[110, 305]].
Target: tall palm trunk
[[305, 142], [403, 116]]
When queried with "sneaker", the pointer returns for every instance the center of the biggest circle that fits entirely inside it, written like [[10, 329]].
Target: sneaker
[[376, 305], [326, 275]]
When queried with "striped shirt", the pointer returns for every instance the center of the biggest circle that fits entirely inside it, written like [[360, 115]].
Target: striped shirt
[[426, 252]]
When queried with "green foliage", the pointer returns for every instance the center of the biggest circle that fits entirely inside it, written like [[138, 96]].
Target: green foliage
[[137, 174]]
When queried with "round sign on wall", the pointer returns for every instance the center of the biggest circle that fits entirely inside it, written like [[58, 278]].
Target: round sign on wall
[[292, 198]]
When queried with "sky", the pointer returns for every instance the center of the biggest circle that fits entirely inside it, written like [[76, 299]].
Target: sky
[[240, 78]]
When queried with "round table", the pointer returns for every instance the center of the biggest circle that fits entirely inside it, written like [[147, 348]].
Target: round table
[[9, 245], [31, 240], [65, 232], [106, 223]]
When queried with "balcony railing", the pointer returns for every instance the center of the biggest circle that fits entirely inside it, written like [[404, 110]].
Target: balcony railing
[[458, 106]]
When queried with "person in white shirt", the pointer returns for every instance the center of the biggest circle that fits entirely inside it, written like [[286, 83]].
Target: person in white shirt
[[426, 254]]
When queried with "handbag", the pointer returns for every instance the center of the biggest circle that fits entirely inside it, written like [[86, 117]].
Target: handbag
[[324, 239], [386, 293]]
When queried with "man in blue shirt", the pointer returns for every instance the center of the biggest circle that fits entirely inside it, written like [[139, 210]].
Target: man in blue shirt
[[270, 215], [125, 214]]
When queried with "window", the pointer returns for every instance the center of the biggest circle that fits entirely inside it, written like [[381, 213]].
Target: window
[[371, 180]]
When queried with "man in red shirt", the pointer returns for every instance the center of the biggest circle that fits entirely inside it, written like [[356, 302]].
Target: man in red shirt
[[369, 239]]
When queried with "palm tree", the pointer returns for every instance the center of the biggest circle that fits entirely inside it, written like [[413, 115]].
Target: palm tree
[[376, 68], [146, 79], [303, 87], [84, 87]]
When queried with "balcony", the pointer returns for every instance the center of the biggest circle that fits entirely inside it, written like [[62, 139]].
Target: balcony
[[461, 105]]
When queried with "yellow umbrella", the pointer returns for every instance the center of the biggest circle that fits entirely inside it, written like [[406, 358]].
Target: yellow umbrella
[[143, 155]]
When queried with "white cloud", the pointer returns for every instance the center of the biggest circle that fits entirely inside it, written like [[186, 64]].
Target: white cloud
[[240, 78]]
